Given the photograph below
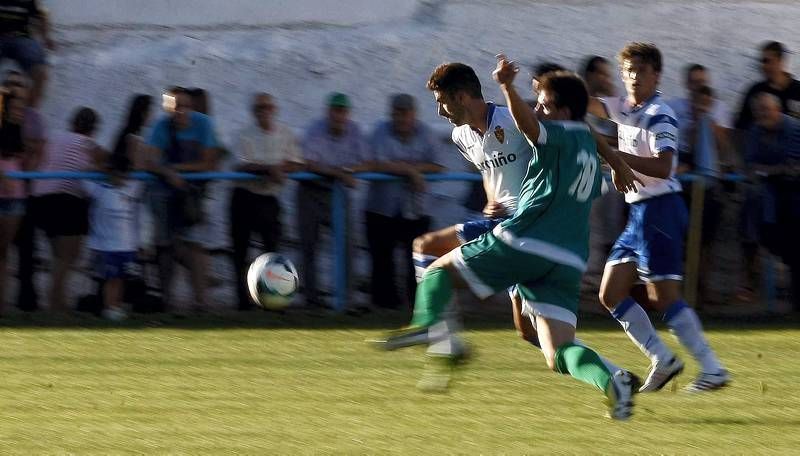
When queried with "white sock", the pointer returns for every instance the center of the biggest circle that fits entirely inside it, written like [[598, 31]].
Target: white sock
[[443, 336], [421, 263], [637, 326], [685, 325]]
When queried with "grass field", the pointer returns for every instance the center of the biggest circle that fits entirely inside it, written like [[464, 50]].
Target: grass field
[[266, 384]]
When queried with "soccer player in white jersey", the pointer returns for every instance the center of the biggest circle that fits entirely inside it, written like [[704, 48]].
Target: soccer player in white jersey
[[487, 137], [651, 246]]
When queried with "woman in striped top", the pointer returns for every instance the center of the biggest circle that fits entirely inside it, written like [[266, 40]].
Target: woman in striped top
[[61, 208]]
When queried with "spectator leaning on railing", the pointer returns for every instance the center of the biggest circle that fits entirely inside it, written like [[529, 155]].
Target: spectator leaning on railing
[[60, 206], [114, 235], [181, 141], [333, 147], [394, 213], [270, 149], [771, 215], [777, 81], [704, 150]]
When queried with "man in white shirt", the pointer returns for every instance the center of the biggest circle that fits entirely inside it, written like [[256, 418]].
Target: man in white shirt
[[269, 149], [651, 247]]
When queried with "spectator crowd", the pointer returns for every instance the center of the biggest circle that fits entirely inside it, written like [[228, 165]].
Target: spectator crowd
[[761, 142]]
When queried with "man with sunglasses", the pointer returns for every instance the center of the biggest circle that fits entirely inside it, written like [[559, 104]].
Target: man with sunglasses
[[269, 149], [778, 82]]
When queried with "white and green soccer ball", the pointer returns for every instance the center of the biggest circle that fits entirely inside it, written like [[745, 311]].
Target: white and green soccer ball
[[272, 281]]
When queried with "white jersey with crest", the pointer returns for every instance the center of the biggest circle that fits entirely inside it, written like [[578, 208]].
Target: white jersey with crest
[[501, 155], [647, 131]]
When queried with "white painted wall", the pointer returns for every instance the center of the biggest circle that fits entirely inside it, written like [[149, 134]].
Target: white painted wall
[[204, 13]]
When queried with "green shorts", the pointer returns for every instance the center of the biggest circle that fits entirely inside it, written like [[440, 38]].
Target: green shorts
[[548, 288]]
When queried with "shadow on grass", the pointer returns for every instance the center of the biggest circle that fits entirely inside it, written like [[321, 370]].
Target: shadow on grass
[[493, 319], [733, 421]]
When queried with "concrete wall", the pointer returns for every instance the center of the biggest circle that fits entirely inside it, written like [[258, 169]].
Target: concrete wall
[[209, 13]]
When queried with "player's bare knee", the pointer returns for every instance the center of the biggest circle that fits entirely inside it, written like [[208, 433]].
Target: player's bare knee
[[608, 298], [550, 359]]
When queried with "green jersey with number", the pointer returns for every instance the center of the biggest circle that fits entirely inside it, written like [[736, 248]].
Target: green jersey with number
[[563, 178]]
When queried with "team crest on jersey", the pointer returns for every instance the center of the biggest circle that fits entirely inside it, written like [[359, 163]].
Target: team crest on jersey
[[499, 133]]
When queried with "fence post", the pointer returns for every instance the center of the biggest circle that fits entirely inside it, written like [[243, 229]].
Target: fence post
[[694, 242], [340, 260]]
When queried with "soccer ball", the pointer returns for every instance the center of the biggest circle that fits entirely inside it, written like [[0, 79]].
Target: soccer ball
[[272, 281]]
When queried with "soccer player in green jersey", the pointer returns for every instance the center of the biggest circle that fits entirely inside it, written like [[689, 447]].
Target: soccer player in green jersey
[[542, 248]]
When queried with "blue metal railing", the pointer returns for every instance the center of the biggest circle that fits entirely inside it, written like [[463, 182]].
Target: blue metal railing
[[338, 207], [338, 216]]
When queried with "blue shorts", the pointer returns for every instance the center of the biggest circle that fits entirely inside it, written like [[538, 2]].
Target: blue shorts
[[471, 230], [654, 238], [116, 265], [27, 52]]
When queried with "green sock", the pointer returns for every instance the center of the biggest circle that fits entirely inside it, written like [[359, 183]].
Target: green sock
[[433, 294], [584, 364]]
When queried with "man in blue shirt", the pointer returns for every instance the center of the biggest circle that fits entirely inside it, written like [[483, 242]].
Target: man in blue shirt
[[181, 141], [333, 147], [771, 215], [394, 212]]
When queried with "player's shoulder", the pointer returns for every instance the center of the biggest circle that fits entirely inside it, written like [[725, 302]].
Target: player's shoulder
[[459, 132], [502, 117], [659, 112], [567, 127], [461, 137]]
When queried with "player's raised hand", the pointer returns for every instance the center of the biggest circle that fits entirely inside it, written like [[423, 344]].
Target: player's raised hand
[[506, 70]]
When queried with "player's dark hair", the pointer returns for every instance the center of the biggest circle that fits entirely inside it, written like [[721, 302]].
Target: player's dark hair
[[775, 47], [648, 53], [541, 69], [455, 77], [566, 89], [591, 63]]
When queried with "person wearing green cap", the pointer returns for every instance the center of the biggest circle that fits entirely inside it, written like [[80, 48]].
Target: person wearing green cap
[[333, 147]]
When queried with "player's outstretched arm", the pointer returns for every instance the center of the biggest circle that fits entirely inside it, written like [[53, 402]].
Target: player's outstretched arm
[[622, 175], [523, 114]]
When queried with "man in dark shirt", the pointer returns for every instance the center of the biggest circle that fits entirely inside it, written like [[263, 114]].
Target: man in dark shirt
[[771, 215], [777, 82]]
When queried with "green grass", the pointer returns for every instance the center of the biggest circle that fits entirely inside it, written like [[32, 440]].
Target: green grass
[[274, 385]]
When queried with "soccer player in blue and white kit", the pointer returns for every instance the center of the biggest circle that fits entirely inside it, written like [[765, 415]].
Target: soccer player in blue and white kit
[[652, 245]]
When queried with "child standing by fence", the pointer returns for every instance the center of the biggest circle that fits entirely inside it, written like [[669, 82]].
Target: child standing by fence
[[114, 232]]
